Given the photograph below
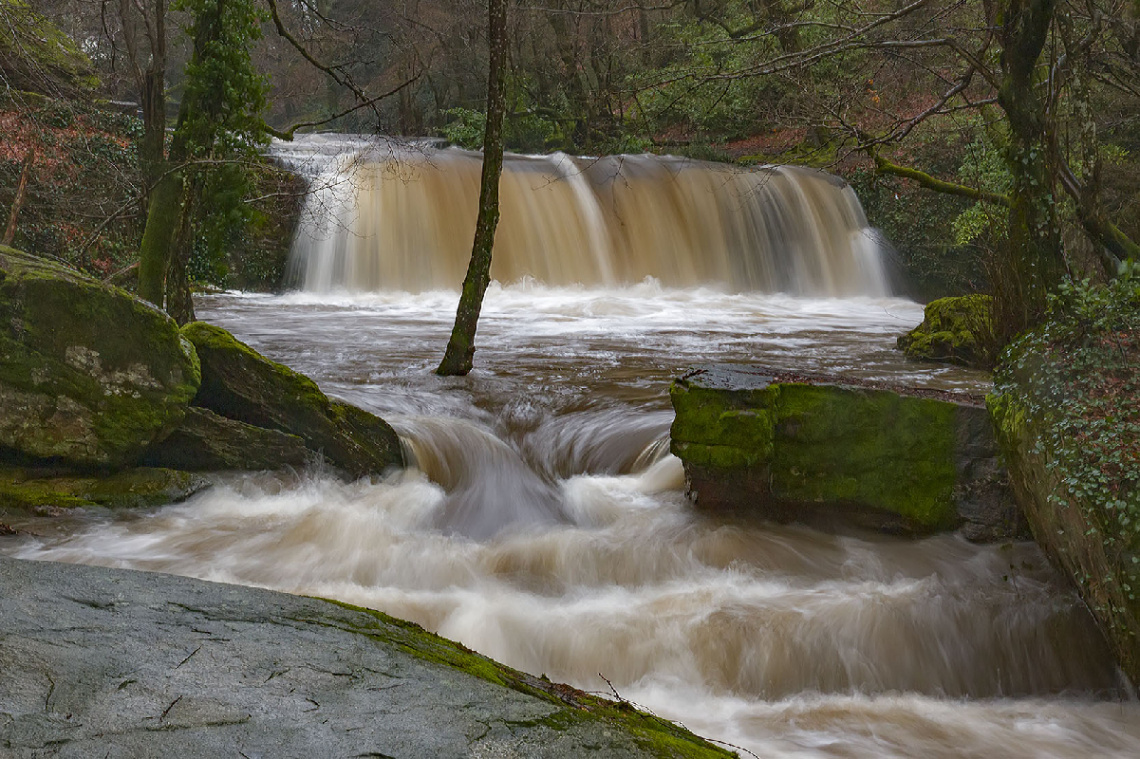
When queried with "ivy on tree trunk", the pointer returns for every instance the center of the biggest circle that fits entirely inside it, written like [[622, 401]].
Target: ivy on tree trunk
[[1034, 261]]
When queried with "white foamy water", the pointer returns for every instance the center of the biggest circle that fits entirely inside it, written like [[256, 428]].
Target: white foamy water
[[546, 526]]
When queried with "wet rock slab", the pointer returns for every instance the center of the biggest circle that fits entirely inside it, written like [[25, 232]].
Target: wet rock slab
[[114, 663]]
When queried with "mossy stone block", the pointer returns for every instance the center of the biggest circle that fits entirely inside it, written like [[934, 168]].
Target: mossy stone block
[[784, 449]]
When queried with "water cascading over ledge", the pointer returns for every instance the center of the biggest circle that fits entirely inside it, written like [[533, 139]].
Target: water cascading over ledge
[[403, 219]]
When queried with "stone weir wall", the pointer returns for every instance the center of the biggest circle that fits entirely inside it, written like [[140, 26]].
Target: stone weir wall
[[794, 447]]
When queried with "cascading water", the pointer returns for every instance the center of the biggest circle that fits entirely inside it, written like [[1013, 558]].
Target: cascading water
[[545, 524], [403, 218]]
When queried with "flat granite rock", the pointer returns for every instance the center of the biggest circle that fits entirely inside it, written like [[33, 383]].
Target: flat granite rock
[[98, 662]]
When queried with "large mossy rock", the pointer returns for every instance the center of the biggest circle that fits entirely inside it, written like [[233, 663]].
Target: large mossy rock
[[207, 442], [36, 56], [25, 491], [89, 375], [957, 330], [1066, 405], [799, 448], [241, 384]]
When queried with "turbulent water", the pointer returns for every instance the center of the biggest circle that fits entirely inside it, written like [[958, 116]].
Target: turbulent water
[[545, 525]]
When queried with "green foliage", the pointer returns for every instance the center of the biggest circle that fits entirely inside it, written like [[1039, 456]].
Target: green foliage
[[465, 127], [525, 132], [1076, 377], [222, 129], [920, 226], [984, 167]]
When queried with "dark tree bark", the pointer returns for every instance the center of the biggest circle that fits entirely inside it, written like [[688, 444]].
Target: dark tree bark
[[460, 354], [1034, 261]]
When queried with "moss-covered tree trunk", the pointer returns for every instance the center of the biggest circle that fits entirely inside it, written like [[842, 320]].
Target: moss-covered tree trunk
[[1033, 261], [460, 354], [162, 216]]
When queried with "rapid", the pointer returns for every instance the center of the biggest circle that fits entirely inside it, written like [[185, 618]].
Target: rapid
[[544, 523]]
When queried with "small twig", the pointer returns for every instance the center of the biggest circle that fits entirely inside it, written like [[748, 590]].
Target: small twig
[[196, 650], [167, 710]]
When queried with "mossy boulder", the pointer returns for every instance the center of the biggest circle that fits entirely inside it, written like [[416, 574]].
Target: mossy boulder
[[44, 491], [36, 56], [89, 375], [241, 384], [956, 330], [207, 442], [797, 448]]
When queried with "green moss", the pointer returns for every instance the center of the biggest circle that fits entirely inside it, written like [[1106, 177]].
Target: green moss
[[26, 491], [957, 330], [93, 375], [1066, 407], [657, 736], [714, 418], [207, 337], [37, 56], [867, 447], [822, 444]]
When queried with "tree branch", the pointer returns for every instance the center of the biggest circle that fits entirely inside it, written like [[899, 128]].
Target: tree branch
[[883, 166]]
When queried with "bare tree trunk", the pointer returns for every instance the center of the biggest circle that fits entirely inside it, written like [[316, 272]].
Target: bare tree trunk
[[152, 98], [18, 202], [460, 354]]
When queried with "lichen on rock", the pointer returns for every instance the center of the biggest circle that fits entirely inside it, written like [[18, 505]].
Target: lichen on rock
[[957, 330], [89, 375]]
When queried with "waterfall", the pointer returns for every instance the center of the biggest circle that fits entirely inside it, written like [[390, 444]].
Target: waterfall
[[403, 217]]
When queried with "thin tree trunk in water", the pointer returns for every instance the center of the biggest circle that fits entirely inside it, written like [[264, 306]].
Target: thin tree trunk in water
[[21, 191], [460, 354]]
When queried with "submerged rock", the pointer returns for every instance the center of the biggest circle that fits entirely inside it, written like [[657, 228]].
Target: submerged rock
[[804, 449], [156, 665], [89, 375], [241, 384], [957, 330], [206, 442], [26, 491]]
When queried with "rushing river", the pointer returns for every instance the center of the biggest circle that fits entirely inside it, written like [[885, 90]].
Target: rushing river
[[545, 525]]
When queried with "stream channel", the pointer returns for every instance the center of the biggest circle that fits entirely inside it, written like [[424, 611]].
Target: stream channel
[[546, 525]]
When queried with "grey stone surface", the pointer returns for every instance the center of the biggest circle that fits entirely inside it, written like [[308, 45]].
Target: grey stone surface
[[98, 662]]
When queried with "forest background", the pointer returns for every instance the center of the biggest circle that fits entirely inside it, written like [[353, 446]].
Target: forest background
[[915, 103]]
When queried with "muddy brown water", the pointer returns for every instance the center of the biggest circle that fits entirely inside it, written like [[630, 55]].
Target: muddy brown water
[[545, 525]]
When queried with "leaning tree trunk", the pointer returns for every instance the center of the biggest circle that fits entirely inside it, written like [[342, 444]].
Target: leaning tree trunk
[[460, 354], [1034, 260]]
